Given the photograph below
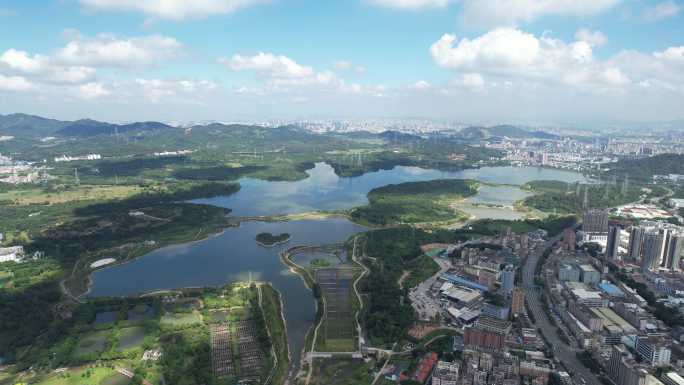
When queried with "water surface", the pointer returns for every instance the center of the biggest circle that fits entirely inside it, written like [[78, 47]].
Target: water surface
[[234, 254], [324, 190], [231, 256]]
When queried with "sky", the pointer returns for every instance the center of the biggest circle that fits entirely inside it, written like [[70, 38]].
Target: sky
[[474, 61]]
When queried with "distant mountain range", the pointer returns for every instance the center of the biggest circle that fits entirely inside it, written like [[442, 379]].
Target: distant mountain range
[[35, 127], [31, 126]]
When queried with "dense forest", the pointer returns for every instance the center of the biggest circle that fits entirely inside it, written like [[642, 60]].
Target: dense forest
[[567, 198], [644, 169], [414, 202]]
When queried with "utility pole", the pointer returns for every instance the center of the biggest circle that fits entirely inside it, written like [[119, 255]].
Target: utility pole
[[78, 181]]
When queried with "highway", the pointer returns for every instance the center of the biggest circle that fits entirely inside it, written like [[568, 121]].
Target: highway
[[564, 353]]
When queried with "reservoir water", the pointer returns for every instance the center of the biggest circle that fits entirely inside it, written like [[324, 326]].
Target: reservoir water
[[234, 255]]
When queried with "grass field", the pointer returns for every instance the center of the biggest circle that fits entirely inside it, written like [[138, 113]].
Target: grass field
[[86, 376], [92, 342], [70, 194], [178, 319], [342, 371]]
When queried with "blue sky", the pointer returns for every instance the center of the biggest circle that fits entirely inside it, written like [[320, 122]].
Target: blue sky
[[477, 61]]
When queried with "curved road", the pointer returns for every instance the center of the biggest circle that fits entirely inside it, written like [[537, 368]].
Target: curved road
[[564, 353]]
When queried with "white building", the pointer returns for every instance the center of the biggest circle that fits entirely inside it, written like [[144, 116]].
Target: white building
[[14, 254]]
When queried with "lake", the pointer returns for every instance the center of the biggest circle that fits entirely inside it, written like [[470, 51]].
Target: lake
[[234, 255]]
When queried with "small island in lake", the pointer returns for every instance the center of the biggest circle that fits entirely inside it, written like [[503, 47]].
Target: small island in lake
[[268, 239]]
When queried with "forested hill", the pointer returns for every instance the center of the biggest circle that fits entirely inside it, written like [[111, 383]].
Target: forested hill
[[87, 127], [644, 169]]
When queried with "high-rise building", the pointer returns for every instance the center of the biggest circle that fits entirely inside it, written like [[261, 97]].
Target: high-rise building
[[651, 250], [675, 249], [636, 243], [613, 244], [595, 221], [518, 301], [656, 245], [508, 279]]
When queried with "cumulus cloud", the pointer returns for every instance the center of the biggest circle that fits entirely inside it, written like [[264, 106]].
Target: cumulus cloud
[[176, 10], [43, 68], [15, 83], [594, 38], [511, 12], [411, 4], [92, 90], [280, 73], [156, 90], [108, 50], [76, 64], [270, 65], [663, 10], [511, 55]]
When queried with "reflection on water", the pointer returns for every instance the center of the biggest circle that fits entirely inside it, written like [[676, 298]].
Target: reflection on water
[[499, 195], [231, 256], [234, 254], [324, 190]]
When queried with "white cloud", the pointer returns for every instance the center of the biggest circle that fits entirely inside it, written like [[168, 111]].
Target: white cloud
[[171, 9], [411, 4], [594, 38], [155, 90], [472, 80], [663, 10], [270, 65], [43, 68], [22, 61], [509, 56], [92, 90], [421, 85], [15, 83], [280, 74], [108, 50], [511, 12]]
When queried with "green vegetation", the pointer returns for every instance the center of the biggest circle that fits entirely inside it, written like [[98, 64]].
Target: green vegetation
[[672, 317], [218, 173], [343, 371], [99, 230], [567, 198], [553, 225], [643, 170], [414, 202], [419, 270], [268, 239], [388, 315], [271, 304], [186, 348]]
